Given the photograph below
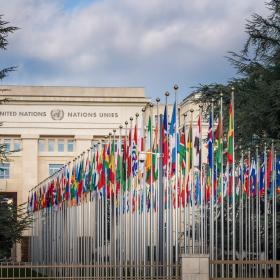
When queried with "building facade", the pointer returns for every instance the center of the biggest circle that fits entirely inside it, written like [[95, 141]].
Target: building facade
[[45, 127]]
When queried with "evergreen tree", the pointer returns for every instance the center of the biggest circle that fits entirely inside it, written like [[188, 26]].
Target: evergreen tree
[[13, 219], [257, 83]]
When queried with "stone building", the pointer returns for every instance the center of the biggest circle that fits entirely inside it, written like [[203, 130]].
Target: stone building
[[44, 127]]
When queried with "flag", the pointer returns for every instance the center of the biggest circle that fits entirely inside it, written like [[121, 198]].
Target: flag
[[197, 144], [173, 121], [230, 148], [239, 185], [182, 150], [210, 142], [86, 177], [154, 155], [262, 178], [189, 148], [73, 188], [80, 178], [173, 140], [124, 164], [134, 154], [164, 138], [119, 168], [129, 161], [253, 177], [219, 142], [278, 173], [112, 163], [149, 151], [269, 171], [197, 189], [246, 178]]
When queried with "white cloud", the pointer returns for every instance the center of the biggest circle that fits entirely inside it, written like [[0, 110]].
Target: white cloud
[[125, 42]]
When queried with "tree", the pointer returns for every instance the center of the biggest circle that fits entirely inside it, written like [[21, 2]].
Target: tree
[[13, 219], [5, 30], [257, 85]]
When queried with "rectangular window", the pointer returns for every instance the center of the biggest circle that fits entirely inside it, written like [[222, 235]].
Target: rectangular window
[[7, 143], [60, 146], [4, 170], [17, 145], [70, 146], [42, 145], [54, 168], [51, 145]]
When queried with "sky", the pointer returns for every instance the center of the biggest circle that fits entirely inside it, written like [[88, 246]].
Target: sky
[[147, 43]]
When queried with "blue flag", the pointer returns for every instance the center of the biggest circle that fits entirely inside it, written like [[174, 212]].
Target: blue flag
[[173, 121], [210, 142], [278, 172]]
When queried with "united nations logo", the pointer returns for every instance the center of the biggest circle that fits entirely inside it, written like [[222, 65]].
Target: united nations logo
[[57, 114]]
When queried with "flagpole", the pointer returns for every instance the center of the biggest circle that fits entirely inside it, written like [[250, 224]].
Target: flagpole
[[125, 205], [249, 209], [212, 196], [130, 199], [246, 214], [265, 209], [151, 195], [274, 209], [185, 197], [222, 183], [120, 206], [176, 180], [228, 206], [233, 188], [257, 208], [242, 206], [136, 212], [192, 186], [108, 194], [159, 189], [253, 215], [201, 185]]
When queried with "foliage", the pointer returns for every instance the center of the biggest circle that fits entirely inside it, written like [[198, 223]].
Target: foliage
[[257, 85], [13, 221], [5, 30]]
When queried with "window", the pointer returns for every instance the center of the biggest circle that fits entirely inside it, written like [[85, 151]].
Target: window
[[42, 145], [7, 143], [51, 145], [54, 168], [17, 145], [70, 145], [60, 145], [4, 170]]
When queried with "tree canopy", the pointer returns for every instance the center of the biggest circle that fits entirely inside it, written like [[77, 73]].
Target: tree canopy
[[257, 82], [5, 30]]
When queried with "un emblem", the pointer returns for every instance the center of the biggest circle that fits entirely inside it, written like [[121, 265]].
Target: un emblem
[[57, 114]]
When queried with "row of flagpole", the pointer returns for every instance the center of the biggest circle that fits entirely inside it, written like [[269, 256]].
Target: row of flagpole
[[133, 203]]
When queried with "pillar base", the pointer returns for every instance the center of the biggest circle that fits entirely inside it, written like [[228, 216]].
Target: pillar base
[[195, 267]]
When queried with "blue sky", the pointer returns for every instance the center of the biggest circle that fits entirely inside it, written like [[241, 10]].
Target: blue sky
[[148, 43]]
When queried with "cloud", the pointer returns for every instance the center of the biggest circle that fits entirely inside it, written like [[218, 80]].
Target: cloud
[[150, 43]]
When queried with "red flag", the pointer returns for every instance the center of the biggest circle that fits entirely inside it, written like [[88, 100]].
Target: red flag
[[269, 169]]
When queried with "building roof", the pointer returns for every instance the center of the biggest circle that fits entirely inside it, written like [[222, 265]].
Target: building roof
[[19, 94]]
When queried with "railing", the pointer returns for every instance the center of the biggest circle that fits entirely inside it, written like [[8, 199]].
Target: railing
[[244, 269], [78, 271]]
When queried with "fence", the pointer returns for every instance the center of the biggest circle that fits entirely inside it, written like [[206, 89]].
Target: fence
[[245, 269], [77, 271]]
